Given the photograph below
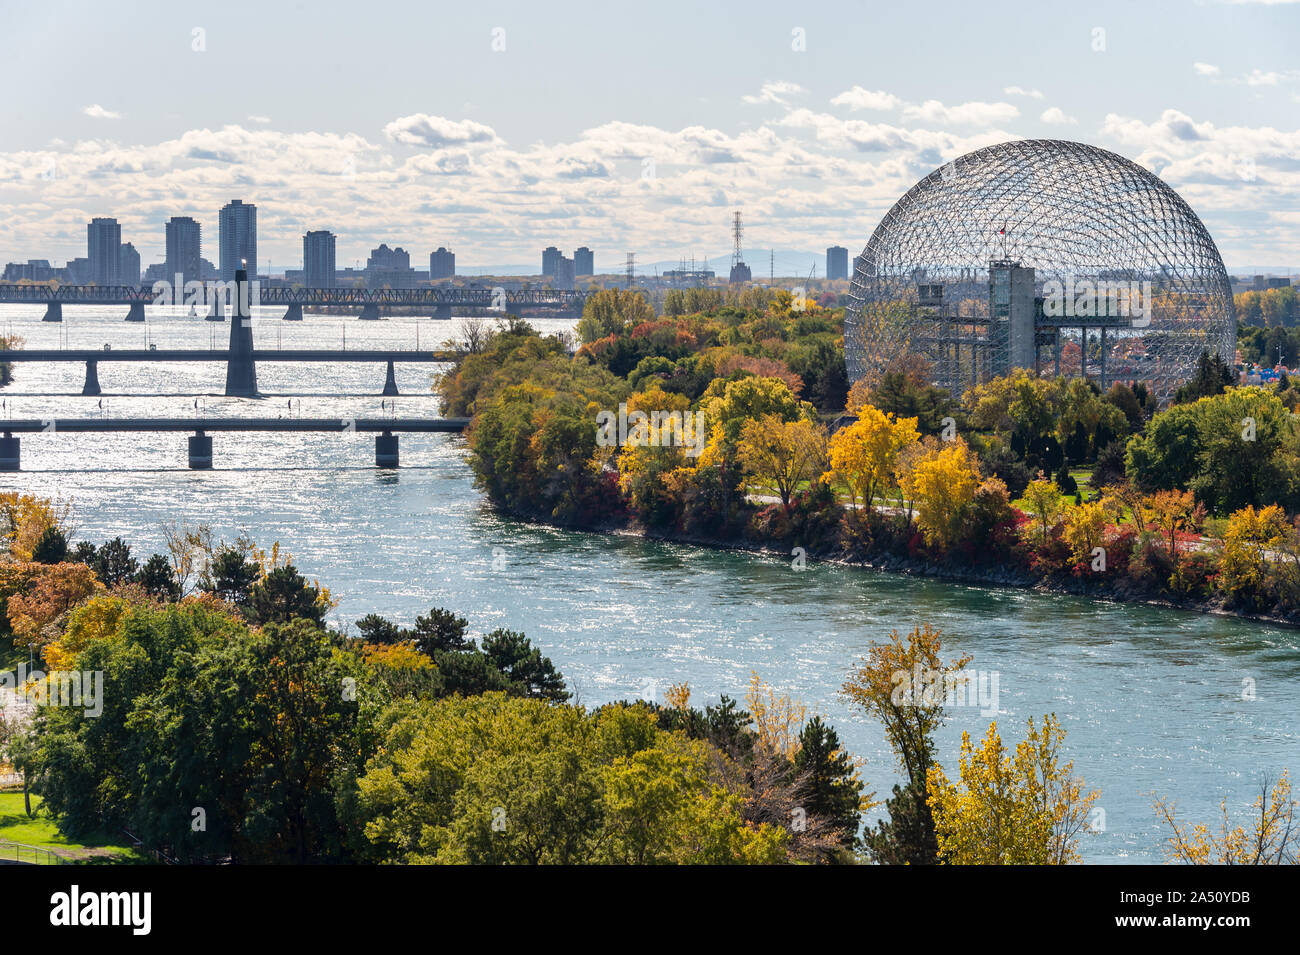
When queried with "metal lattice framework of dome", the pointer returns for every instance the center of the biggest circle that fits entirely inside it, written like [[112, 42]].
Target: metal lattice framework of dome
[[974, 267]]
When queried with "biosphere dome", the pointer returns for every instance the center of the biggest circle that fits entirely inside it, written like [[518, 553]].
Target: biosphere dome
[[1054, 256]]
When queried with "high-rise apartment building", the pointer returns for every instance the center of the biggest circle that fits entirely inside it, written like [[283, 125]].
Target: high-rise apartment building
[[837, 262], [584, 261], [318, 259], [442, 264], [237, 227], [104, 250], [550, 258], [129, 266], [184, 256]]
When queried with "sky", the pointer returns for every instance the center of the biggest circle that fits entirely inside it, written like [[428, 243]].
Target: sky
[[497, 129]]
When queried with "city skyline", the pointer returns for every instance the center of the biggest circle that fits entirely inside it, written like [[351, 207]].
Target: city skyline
[[813, 137]]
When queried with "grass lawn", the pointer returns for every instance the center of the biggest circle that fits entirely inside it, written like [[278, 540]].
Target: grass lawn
[[11, 656], [15, 826]]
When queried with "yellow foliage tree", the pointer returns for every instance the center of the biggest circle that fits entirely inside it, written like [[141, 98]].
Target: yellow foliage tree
[[863, 455], [1022, 809], [942, 483], [1270, 839], [1250, 536], [778, 720], [1043, 498], [1085, 530], [24, 518], [781, 453]]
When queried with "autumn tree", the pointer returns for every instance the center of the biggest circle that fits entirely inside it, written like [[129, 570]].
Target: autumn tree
[[863, 455], [942, 482], [1043, 498], [782, 454], [1026, 808], [882, 686], [1268, 838]]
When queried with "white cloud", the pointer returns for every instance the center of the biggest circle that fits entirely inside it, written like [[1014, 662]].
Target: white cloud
[[262, 120], [966, 114], [1021, 91], [778, 92], [859, 98], [1206, 69], [437, 132], [95, 111], [1057, 117]]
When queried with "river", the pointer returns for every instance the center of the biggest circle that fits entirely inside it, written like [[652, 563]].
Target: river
[[1183, 705]]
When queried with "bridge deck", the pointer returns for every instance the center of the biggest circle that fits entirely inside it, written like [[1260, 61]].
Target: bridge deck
[[221, 354], [111, 425]]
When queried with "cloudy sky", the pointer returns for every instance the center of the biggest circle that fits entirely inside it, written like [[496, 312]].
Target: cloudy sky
[[500, 128]]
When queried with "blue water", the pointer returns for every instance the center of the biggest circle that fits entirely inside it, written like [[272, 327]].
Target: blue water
[[1152, 699]]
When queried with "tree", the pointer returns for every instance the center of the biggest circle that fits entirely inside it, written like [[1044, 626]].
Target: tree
[[942, 482], [440, 630], [1043, 498], [157, 579], [35, 613], [1212, 376], [1021, 809], [890, 684], [833, 790], [114, 564], [51, 547], [1269, 840], [231, 575], [863, 455], [377, 630], [1085, 530], [524, 666], [782, 454], [1247, 542], [1173, 513], [284, 595]]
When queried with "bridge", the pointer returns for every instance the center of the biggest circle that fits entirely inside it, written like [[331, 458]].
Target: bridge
[[93, 357], [217, 297], [200, 443]]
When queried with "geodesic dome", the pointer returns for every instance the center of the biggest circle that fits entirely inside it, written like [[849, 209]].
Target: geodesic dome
[[972, 269]]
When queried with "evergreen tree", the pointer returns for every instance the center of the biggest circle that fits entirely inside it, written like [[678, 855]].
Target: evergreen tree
[[440, 630], [114, 563], [156, 578], [284, 595], [51, 547], [834, 791]]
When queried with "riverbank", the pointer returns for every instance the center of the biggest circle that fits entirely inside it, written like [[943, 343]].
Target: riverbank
[[1124, 590]]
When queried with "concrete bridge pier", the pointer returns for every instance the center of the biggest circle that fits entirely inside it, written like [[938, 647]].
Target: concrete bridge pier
[[53, 312], [369, 313], [385, 450], [91, 387], [390, 383], [241, 370], [215, 314], [200, 447], [442, 311], [294, 314], [10, 453], [136, 312]]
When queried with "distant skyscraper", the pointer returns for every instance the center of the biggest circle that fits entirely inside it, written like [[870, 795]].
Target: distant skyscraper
[[837, 262], [104, 250], [550, 258], [583, 262], [318, 259], [442, 264], [184, 244], [390, 267], [129, 268], [237, 225], [563, 277]]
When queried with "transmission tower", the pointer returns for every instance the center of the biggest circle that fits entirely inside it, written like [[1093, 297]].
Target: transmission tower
[[631, 268]]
